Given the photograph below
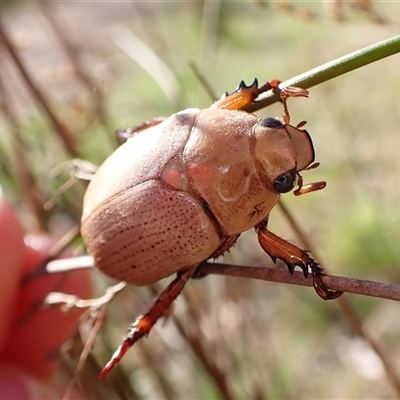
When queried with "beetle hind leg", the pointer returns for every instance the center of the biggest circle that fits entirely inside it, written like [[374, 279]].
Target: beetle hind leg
[[292, 256], [144, 323], [123, 135]]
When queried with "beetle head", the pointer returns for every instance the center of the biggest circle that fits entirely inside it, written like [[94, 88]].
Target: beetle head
[[280, 153]]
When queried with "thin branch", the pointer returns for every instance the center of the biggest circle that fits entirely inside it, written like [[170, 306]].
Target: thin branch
[[54, 252], [69, 264], [344, 284], [70, 301], [332, 69]]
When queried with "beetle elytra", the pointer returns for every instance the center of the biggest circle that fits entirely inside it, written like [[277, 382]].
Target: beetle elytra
[[180, 190]]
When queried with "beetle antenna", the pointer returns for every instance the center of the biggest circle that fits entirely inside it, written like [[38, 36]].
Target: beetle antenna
[[310, 187], [297, 191], [312, 166]]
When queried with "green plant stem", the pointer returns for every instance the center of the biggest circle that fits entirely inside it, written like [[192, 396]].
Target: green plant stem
[[332, 69]]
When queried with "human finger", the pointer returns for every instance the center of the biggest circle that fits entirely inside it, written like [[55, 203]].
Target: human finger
[[12, 254], [37, 333]]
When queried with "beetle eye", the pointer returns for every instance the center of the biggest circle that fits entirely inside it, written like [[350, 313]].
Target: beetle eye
[[270, 123], [285, 183]]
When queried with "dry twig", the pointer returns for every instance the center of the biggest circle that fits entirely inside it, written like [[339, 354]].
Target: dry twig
[[65, 134], [344, 284]]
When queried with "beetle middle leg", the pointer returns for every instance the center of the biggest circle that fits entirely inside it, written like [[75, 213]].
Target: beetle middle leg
[[293, 256], [144, 323]]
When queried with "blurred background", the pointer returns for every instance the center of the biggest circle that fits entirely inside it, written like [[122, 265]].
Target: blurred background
[[77, 71]]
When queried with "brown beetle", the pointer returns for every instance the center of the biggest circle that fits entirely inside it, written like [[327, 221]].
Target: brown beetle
[[182, 189]]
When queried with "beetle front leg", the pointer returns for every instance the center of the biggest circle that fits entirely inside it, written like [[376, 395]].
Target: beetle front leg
[[144, 323], [244, 95], [293, 256]]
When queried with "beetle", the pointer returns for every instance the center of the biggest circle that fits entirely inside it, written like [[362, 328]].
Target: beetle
[[181, 190]]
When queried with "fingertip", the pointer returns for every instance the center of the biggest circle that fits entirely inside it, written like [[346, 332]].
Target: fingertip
[[12, 253], [39, 332], [16, 384]]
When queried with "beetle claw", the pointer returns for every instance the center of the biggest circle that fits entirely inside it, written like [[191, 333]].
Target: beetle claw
[[274, 259], [304, 268], [291, 268], [115, 359], [319, 286], [277, 247]]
